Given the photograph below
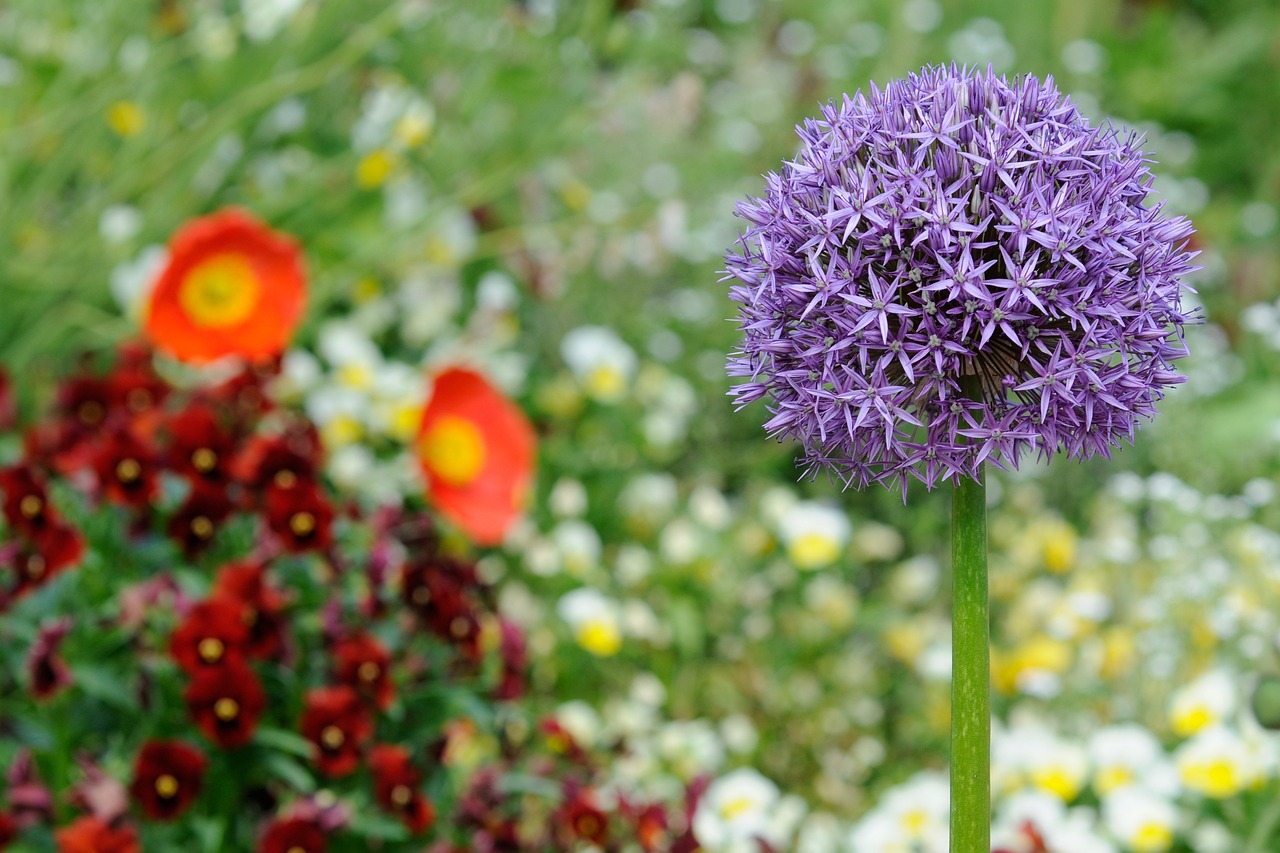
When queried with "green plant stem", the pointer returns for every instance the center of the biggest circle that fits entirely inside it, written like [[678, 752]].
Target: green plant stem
[[970, 671], [1264, 827]]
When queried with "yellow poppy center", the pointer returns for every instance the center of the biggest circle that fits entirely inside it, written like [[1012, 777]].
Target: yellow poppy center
[[454, 451], [222, 291], [166, 785]]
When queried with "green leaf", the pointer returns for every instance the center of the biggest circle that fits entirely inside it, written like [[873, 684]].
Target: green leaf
[[105, 686], [292, 772], [285, 741], [373, 825]]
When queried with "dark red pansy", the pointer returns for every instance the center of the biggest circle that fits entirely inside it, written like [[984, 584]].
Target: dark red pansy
[[437, 590], [301, 517], [126, 470], [167, 777], [133, 385], [363, 664], [195, 523], [8, 829], [56, 549], [8, 405], [26, 500], [30, 800], [395, 787], [262, 606], [243, 395], [226, 702], [46, 670], [93, 835], [212, 633], [199, 447], [283, 460], [514, 652], [293, 835], [338, 725], [581, 817]]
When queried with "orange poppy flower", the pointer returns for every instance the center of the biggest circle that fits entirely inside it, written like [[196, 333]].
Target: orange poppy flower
[[232, 287], [477, 451]]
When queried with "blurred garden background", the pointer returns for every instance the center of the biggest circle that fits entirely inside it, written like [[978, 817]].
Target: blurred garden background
[[544, 190]]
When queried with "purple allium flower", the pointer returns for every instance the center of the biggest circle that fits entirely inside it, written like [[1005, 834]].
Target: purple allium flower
[[957, 224]]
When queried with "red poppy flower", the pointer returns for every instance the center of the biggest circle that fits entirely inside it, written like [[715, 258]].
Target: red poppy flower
[[261, 606], [363, 664], [213, 632], [232, 287], [92, 835], [295, 835], [300, 516], [167, 776], [338, 725], [26, 502], [395, 787], [46, 669], [57, 548], [477, 452], [226, 702], [196, 522], [199, 447], [126, 470]]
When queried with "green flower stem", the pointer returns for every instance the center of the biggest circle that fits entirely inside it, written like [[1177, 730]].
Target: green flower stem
[[970, 671]]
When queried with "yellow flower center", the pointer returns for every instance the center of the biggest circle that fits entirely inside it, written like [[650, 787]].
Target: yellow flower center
[[374, 169], [204, 460], [210, 649], [454, 451], [1057, 781], [368, 671], [1152, 838], [732, 808], [35, 566], [1112, 778], [30, 506], [166, 786], [401, 795], [128, 470], [1188, 721], [222, 291], [599, 636], [331, 737], [811, 550], [606, 382], [126, 118], [226, 709], [302, 523], [914, 822], [201, 527]]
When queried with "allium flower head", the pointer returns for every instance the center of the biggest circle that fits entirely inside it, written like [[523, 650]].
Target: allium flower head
[[957, 224]]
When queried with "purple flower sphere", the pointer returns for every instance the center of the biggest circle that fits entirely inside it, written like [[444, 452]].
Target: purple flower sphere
[[957, 226]]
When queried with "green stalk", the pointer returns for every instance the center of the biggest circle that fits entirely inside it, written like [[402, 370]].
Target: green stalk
[[970, 671]]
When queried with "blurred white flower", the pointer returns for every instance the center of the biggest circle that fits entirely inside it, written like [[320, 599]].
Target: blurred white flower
[[1143, 822], [1203, 703], [132, 281], [568, 498], [910, 817], [263, 19], [1220, 763], [815, 534], [119, 223], [594, 619], [601, 361], [735, 809], [578, 545], [1126, 754]]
